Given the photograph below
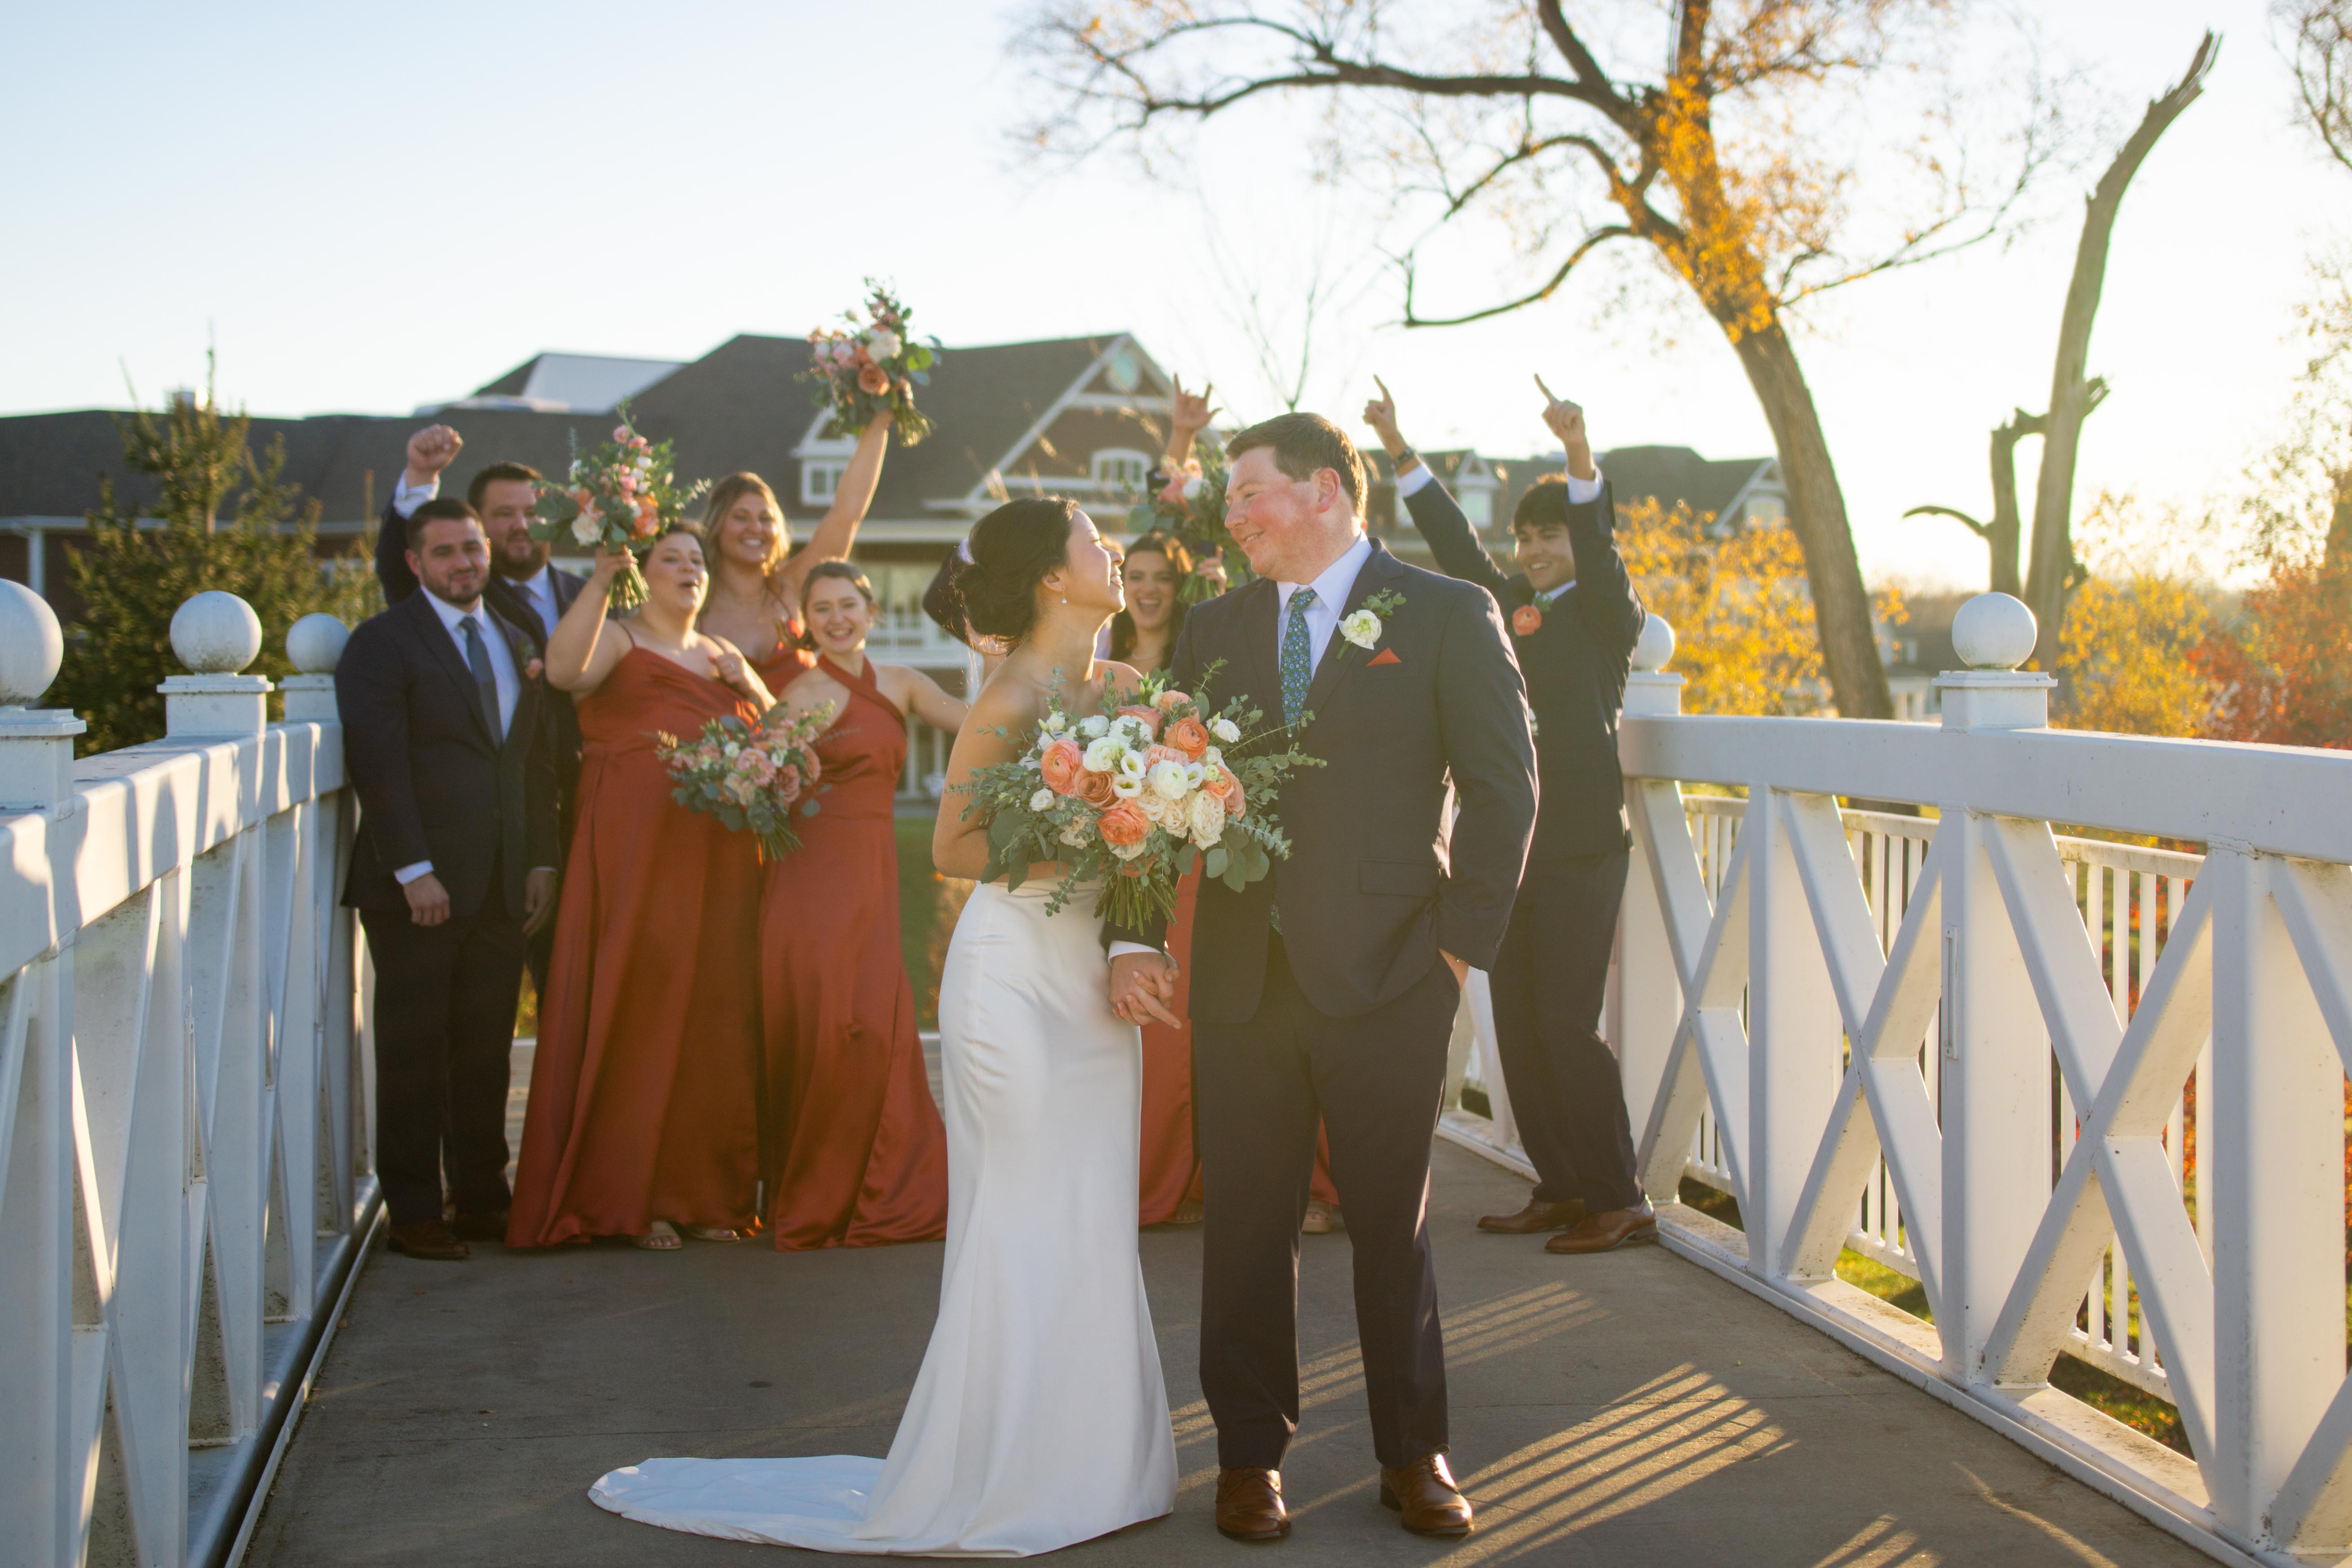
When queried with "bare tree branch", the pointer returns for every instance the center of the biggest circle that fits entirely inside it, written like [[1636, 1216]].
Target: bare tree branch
[[1593, 242], [2320, 55], [1973, 526]]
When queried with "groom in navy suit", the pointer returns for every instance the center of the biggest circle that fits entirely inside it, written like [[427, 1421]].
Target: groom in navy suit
[[1328, 990]]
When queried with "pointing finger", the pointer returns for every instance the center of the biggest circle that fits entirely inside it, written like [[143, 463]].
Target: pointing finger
[[1386, 395], [1549, 396]]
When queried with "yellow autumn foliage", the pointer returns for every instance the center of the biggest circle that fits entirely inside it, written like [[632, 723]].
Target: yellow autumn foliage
[[1742, 614], [2124, 660]]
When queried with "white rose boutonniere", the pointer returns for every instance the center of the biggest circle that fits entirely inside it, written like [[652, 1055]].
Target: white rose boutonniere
[[1362, 628]]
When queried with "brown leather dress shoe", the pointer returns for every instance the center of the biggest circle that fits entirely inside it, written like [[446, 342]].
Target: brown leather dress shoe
[[1424, 1493], [429, 1239], [1249, 1505], [1607, 1232], [1536, 1216], [488, 1226]]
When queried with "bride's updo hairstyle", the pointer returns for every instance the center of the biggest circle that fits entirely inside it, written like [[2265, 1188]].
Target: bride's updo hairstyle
[[1013, 549]]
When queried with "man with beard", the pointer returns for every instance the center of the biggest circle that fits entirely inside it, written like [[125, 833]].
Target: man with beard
[[524, 587]]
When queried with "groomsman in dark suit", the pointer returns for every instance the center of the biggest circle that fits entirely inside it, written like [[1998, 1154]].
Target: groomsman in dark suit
[[445, 718], [1574, 619], [524, 587]]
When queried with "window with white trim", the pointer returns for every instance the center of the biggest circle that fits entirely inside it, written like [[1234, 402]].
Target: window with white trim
[[1121, 469], [819, 481], [1478, 506]]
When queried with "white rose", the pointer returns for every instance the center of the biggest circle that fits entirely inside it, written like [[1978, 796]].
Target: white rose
[[1193, 487], [1093, 725], [1104, 754], [1134, 729], [1058, 724], [1362, 628], [1225, 730], [1129, 851], [1042, 801], [584, 528], [882, 343], [1169, 780], [1078, 835], [1207, 820]]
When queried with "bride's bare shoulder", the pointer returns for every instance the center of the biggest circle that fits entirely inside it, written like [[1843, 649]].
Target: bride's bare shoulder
[[1004, 702]]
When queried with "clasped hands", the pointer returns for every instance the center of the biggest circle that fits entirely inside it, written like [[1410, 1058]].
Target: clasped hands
[[1143, 988]]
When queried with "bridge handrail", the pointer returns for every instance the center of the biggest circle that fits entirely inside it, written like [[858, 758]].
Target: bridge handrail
[[185, 1172], [1952, 1026]]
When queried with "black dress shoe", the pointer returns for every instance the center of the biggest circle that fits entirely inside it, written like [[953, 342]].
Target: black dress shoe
[[489, 1225], [428, 1239]]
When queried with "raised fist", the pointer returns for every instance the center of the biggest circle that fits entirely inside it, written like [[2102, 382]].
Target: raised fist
[[431, 449]]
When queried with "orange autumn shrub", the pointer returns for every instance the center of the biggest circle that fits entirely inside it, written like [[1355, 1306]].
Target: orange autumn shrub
[[2281, 668]]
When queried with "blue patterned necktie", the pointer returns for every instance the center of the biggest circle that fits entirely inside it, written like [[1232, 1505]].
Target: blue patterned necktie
[[1297, 656], [486, 681]]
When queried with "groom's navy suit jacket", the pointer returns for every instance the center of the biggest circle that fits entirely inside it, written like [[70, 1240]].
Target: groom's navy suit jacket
[[1377, 880]]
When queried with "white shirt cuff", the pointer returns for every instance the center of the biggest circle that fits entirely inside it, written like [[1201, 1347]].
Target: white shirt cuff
[[1581, 492], [1415, 482], [406, 498], [1121, 948], [408, 874]]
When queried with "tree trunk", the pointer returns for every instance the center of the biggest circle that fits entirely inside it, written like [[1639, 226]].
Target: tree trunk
[[1817, 510], [2051, 575]]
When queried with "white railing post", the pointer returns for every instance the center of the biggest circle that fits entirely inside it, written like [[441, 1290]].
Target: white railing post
[[1793, 1027], [2276, 1133], [215, 635], [1996, 1048], [1649, 997], [314, 643], [36, 1158]]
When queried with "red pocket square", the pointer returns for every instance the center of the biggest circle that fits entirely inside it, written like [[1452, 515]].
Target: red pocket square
[[1386, 656]]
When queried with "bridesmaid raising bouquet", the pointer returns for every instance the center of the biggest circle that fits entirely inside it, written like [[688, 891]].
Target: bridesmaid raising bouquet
[[855, 1155], [642, 1119]]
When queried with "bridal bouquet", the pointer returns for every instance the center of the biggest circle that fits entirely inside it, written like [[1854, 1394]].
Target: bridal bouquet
[[1192, 506], [753, 779], [1133, 797], [621, 495], [863, 372]]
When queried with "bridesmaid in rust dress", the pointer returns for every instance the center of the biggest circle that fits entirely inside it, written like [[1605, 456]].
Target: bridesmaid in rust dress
[[854, 1152], [641, 1118], [757, 578]]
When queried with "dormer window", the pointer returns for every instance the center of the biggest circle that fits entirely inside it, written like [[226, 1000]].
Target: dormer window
[[1120, 469], [820, 481]]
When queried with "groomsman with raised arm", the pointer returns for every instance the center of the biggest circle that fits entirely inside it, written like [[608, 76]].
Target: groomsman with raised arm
[[452, 872], [524, 587], [1574, 619]]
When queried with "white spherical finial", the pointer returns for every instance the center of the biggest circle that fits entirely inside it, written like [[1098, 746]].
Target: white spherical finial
[[1993, 631], [31, 646], [217, 633], [1656, 644], [315, 642]]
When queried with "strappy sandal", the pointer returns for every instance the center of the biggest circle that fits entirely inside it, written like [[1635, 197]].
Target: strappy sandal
[[717, 1233], [662, 1237]]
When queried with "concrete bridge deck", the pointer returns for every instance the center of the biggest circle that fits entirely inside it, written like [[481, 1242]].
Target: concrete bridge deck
[[1630, 1410]]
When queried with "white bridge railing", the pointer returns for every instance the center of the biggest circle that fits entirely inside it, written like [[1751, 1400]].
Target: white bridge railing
[[1978, 1049], [185, 1178]]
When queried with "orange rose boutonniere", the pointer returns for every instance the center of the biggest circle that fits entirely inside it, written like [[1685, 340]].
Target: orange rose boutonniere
[[1525, 619]]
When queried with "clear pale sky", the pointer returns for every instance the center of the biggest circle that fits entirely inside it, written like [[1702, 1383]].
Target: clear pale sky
[[368, 210]]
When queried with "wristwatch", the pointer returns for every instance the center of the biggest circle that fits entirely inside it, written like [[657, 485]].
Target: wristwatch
[[1399, 460]]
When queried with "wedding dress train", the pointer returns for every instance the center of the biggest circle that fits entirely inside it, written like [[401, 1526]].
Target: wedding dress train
[[1040, 1418]]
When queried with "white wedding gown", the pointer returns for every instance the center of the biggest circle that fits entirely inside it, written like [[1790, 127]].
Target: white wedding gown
[[1039, 1419]]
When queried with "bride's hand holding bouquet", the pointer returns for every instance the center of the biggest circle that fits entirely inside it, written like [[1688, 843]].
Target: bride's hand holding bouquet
[[869, 370]]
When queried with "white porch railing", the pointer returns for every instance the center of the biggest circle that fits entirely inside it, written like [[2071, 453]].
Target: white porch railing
[[1959, 1044], [185, 1177]]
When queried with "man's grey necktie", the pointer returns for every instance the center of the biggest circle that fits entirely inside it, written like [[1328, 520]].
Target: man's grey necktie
[[486, 678]]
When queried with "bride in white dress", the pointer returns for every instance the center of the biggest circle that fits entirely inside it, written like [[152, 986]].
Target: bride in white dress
[[1039, 1419]]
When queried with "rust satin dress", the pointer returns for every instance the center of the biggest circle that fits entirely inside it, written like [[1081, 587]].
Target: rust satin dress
[[642, 1091], [855, 1152]]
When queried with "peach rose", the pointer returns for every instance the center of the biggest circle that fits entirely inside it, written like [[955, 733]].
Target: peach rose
[[1063, 764], [1167, 701], [873, 381], [1150, 718], [787, 783], [1228, 788], [1164, 753], [1123, 824], [1096, 790], [1190, 736]]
